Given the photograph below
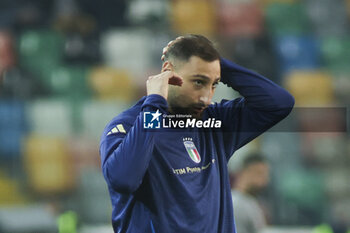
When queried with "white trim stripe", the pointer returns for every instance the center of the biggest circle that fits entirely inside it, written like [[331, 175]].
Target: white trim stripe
[[121, 128], [118, 129]]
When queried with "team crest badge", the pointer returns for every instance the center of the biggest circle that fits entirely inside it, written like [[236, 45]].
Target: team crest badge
[[192, 150]]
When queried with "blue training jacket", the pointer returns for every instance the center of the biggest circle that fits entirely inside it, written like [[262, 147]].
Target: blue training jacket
[[154, 184]]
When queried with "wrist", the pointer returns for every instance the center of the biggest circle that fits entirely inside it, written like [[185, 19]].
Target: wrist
[[154, 102]]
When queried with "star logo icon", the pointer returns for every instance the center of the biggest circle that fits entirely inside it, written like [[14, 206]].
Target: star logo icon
[[156, 115]]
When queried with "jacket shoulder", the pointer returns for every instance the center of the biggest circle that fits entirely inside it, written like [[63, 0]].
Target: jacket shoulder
[[126, 118]]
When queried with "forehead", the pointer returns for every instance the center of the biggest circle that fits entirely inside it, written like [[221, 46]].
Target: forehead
[[195, 65]]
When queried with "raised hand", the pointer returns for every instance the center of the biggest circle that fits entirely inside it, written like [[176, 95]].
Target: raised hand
[[158, 84]]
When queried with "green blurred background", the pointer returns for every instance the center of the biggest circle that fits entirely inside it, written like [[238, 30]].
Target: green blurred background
[[67, 67]]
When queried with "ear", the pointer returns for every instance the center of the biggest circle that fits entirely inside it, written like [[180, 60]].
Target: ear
[[167, 66]]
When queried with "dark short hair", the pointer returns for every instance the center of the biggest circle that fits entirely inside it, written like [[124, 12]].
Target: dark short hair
[[252, 159], [193, 45]]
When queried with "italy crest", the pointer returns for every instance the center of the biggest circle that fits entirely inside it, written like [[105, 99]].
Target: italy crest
[[192, 150]]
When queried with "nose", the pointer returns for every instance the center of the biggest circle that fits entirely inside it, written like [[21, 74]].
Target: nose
[[205, 100], [206, 96]]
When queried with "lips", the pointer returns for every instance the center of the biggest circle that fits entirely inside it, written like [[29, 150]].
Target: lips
[[198, 109]]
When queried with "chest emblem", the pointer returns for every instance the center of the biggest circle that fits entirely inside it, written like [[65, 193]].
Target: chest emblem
[[192, 150]]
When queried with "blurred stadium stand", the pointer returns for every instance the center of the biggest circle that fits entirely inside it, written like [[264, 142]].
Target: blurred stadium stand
[[68, 67]]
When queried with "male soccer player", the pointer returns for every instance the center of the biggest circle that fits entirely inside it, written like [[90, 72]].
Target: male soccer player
[[252, 178], [176, 180]]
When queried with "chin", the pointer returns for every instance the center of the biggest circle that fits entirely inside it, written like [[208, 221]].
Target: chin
[[187, 111]]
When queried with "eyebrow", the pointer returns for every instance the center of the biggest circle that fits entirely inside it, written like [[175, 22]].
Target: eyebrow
[[205, 77]]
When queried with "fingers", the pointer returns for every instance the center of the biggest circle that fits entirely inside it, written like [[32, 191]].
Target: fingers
[[159, 84], [165, 50], [169, 77]]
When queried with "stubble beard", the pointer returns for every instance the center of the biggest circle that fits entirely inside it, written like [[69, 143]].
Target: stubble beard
[[176, 107]]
